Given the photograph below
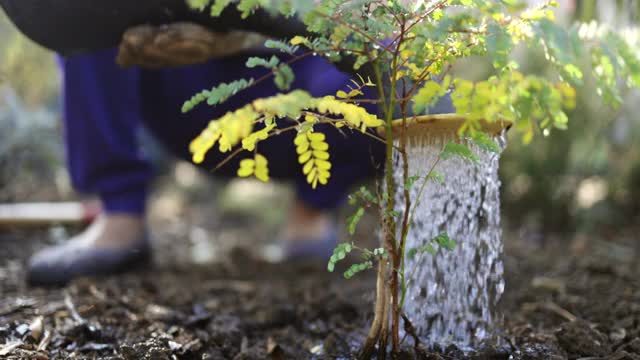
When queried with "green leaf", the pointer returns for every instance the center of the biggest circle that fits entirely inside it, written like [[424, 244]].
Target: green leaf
[[379, 252], [428, 248], [284, 77], [282, 46], [198, 4], [485, 142], [218, 7], [410, 181], [353, 220], [444, 241], [339, 253], [246, 7], [453, 149], [357, 268], [217, 94], [331, 266], [364, 195], [499, 45], [437, 177], [258, 61]]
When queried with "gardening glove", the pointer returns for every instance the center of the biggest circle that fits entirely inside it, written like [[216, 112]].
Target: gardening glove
[[179, 44]]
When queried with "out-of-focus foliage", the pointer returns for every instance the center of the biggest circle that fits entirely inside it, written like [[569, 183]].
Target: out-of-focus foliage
[[29, 69], [30, 141], [30, 150], [588, 175]]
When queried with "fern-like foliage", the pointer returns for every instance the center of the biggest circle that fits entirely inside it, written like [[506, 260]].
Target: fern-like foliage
[[237, 127], [217, 94], [313, 153]]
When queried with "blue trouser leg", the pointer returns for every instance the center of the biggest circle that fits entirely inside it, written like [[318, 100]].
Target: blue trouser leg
[[155, 98], [101, 119]]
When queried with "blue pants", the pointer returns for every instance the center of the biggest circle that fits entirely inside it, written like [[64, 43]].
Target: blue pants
[[105, 105]]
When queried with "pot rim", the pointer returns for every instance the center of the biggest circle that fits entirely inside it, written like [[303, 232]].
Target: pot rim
[[443, 123]]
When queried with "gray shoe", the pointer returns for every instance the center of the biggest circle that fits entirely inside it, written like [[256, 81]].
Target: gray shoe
[[57, 265]]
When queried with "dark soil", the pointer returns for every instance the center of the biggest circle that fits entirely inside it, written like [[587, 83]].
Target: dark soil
[[575, 299]]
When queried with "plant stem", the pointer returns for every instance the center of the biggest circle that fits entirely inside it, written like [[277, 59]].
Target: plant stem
[[396, 255], [376, 324], [384, 329], [405, 220]]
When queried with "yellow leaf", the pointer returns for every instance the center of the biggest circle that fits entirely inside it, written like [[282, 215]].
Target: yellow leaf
[[302, 148], [261, 171], [307, 167], [323, 164], [323, 173], [301, 139], [297, 40], [311, 175], [316, 137], [355, 92], [247, 163], [323, 146], [198, 157], [247, 167], [304, 157], [262, 174], [322, 155], [341, 94], [261, 161]]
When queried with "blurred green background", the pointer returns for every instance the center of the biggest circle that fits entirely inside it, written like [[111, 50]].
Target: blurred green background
[[580, 180], [587, 177], [30, 136]]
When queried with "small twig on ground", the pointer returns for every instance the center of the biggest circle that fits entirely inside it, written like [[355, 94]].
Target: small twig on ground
[[44, 343], [72, 309], [551, 306]]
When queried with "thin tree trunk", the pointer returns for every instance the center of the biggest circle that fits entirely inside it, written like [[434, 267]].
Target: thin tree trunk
[[376, 325], [395, 306], [384, 328]]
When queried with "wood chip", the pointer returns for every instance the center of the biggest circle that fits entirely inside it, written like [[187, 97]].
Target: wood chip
[[72, 309], [274, 350], [9, 347], [36, 327]]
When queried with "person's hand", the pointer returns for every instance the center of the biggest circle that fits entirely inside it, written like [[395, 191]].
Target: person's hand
[[180, 44]]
